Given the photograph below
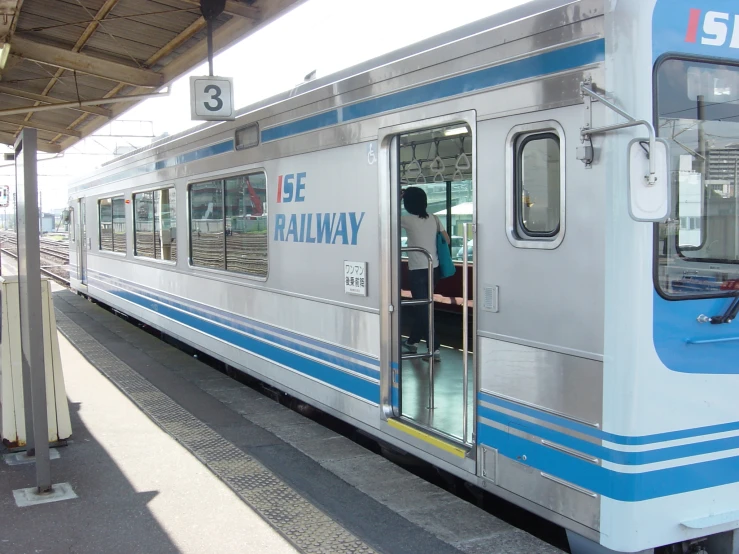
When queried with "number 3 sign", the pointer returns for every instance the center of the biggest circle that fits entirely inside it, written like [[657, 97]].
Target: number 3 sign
[[212, 98]]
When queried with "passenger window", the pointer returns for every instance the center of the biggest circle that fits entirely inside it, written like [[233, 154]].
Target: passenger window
[[537, 176], [112, 224], [246, 224], [228, 224], [119, 225], [106, 224], [155, 224]]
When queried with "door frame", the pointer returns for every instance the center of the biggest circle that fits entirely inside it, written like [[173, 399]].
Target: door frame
[[389, 219]]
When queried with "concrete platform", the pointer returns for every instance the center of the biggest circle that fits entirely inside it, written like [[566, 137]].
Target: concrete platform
[[168, 455]]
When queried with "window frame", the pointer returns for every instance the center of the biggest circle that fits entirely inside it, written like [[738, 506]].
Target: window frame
[[656, 226], [100, 223], [248, 146], [224, 177], [518, 137], [152, 190]]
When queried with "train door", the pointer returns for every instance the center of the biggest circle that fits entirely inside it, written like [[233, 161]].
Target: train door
[[82, 243], [432, 382]]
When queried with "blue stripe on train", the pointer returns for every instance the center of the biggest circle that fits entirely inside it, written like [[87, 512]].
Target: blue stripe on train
[[626, 487], [610, 437], [268, 332], [609, 454], [353, 384], [541, 65]]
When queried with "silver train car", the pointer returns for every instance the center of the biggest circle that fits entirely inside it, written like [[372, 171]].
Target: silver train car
[[582, 156]]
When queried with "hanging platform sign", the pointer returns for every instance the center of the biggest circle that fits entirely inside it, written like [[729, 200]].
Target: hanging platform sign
[[212, 99]]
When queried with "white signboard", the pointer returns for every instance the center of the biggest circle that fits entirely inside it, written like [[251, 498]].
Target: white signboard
[[355, 278], [212, 99]]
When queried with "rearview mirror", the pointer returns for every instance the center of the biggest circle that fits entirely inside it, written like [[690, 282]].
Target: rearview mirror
[[649, 201]]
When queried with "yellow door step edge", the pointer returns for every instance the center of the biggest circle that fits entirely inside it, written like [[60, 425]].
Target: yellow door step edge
[[428, 438]]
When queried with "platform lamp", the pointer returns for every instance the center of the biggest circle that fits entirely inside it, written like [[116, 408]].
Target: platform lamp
[[4, 53]]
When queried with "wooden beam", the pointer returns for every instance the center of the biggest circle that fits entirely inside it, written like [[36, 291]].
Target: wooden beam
[[58, 57], [177, 41], [43, 146], [102, 13], [235, 8], [225, 36], [104, 10], [40, 125], [167, 49], [103, 112]]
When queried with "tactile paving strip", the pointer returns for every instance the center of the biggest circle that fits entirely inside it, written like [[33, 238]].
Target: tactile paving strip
[[305, 526]]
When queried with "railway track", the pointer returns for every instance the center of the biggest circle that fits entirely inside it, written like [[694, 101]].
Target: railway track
[[54, 256]]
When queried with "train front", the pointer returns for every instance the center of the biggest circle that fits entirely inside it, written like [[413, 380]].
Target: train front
[[671, 355]]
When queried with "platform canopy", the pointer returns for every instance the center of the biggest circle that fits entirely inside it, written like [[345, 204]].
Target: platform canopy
[[67, 66]]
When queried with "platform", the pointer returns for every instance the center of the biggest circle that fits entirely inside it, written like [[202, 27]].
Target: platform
[[170, 455]]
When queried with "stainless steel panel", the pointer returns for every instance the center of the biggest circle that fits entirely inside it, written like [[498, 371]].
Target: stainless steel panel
[[551, 492], [568, 385], [551, 297]]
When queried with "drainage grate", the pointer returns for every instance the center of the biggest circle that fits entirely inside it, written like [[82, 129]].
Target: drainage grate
[[305, 526]]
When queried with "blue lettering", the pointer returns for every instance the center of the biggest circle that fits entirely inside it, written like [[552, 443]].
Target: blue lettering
[[309, 238], [330, 228], [280, 227], [300, 187], [355, 225], [325, 227], [292, 229], [341, 229], [287, 188]]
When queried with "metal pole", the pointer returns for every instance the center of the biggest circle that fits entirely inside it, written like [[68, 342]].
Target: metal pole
[[736, 209], [210, 46], [449, 210], [702, 136], [431, 332], [465, 330], [29, 290]]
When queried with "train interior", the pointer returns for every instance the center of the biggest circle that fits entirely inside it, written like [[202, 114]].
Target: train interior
[[439, 161]]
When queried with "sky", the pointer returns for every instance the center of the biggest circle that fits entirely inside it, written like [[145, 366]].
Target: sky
[[321, 35]]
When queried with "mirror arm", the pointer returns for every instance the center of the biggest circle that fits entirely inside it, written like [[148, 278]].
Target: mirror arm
[[587, 131]]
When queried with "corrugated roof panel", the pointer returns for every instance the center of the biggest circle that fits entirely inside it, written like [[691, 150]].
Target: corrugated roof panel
[[124, 32]]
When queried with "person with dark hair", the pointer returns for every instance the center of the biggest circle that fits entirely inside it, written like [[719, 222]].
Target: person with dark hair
[[421, 230]]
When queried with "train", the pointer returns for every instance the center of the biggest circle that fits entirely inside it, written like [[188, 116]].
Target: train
[[583, 156]]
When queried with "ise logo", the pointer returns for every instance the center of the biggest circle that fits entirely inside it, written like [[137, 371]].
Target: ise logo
[[713, 28]]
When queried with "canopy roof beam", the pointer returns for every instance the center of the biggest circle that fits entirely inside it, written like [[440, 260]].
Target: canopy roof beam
[[43, 146], [10, 91], [50, 127], [74, 61]]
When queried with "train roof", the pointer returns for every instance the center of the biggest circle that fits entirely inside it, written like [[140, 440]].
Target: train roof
[[504, 18]]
